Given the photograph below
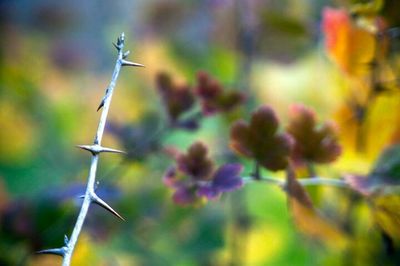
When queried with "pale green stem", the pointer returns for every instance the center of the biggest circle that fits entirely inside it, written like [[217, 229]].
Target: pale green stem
[[314, 181]]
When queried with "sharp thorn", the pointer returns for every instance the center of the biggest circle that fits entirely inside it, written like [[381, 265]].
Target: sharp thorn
[[129, 63], [102, 203], [91, 148], [54, 251], [112, 150], [101, 104], [66, 240], [96, 148], [116, 46]]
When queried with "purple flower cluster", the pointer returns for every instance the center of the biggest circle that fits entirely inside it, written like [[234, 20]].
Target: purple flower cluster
[[194, 179]]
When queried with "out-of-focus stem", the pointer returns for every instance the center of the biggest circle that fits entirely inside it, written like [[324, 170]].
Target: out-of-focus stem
[[314, 181]]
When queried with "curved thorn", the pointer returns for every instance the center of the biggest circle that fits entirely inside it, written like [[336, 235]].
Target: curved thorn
[[101, 104], [129, 63], [66, 240], [102, 203], [54, 251]]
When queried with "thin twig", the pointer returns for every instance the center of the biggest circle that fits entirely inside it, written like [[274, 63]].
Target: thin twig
[[314, 181], [90, 195]]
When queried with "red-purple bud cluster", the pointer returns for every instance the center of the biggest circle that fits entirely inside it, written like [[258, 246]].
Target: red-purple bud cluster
[[194, 177]]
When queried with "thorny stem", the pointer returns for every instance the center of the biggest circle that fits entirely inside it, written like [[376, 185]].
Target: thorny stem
[[93, 164], [90, 195]]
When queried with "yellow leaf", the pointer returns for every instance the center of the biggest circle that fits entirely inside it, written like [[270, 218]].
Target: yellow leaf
[[308, 220], [386, 211]]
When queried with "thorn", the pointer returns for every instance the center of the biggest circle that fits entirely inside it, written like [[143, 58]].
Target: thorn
[[96, 149], [66, 240], [102, 203], [129, 63], [54, 251], [104, 149], [125, 55], [116, 46], [101, 104]]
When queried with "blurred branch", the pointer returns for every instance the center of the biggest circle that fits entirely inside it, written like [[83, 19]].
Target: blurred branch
[[313, 181], [90, 195]]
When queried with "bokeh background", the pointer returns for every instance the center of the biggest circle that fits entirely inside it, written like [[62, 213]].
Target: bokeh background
[[56, 61]]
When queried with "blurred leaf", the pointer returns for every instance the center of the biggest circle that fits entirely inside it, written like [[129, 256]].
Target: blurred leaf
[[366, 8], [282, 35], [386, 214], [260, 139], [349, 46], [313, 142], [382, 187], [225, 179], [383, 179], [306, 217], [138, 139]]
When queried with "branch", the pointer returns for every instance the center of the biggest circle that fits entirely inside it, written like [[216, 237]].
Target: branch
[[90, 196], [314, 181]]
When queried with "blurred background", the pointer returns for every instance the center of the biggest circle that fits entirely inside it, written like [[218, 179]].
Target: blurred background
[[57, 59]]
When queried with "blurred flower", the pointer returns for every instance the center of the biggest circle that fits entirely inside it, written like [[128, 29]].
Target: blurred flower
[[349, 46], [225, 179], [194, 179], [313, 142], [195, 163], [213, 97], [261, 141], [177, 99]]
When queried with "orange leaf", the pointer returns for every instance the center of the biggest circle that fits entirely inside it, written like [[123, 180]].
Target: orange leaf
[[349, 46]]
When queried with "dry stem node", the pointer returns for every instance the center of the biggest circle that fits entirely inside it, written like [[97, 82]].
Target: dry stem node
[[90, 196]]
